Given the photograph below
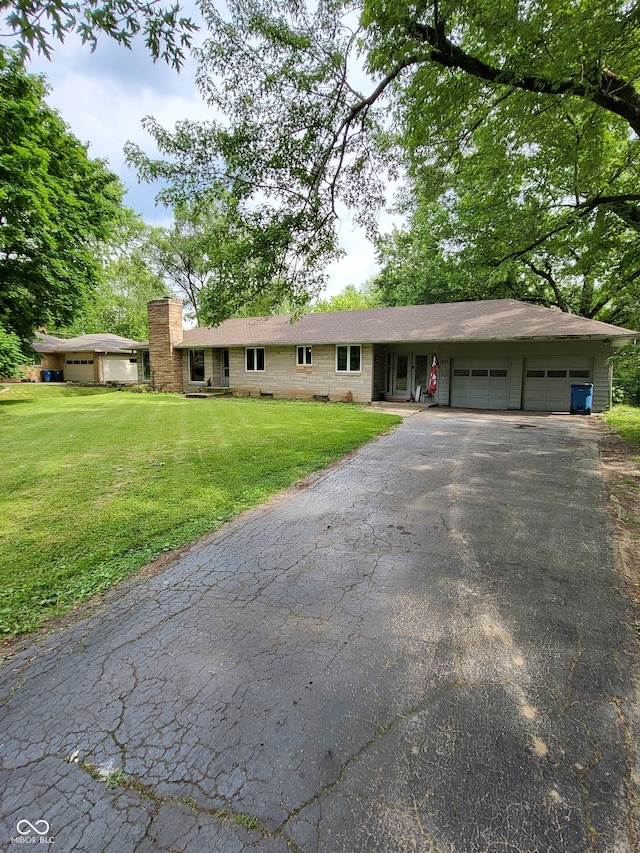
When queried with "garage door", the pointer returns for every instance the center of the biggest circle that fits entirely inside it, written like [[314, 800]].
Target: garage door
[[480, 383], [120, 368], [548, 381], [79, 370]]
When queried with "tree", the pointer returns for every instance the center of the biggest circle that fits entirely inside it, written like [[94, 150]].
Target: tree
[[219, 259], [56, 204], [319, 106], [166, 34], [118, 303], [350, 298], [11, 355], [491, 227]]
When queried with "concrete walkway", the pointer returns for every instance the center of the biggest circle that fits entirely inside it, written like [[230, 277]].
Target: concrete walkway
[[423, 648]]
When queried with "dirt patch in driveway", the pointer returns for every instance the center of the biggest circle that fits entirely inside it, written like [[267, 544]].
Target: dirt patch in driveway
[[621, 469]]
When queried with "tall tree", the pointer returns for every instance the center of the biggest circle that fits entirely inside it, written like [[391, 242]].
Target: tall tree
[[320, 105], [218, 260], [56, 204], [508, 221], [118, 303]]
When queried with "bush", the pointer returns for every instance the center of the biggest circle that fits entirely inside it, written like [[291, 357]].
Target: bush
[[11, 356]]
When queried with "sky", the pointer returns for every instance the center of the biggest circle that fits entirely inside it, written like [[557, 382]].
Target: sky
[[103, 97]]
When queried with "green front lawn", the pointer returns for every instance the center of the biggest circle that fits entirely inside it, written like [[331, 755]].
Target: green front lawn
[[626, 421], [96, 483]]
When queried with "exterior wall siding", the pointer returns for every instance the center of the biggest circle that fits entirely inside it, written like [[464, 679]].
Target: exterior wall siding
[[282, 377]]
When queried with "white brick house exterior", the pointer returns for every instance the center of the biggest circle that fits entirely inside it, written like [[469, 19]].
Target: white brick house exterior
[[499, 354]]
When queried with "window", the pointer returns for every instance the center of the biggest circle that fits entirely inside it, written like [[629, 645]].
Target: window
[[535, 374], [479, 372], [196, 365], [254, 359], [579, 374], [348, 358], [303, 357], [146, 366], [460, 371], [501, 373], [556, 374]]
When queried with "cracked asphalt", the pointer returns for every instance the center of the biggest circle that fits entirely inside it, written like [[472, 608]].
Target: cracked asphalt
[[423, 648]]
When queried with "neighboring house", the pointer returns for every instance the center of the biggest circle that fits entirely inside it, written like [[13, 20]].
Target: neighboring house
[[87, 358], [499, 354]]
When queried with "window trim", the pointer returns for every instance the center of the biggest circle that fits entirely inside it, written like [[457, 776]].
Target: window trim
[[255, 368], [348, 348], [304, 350]]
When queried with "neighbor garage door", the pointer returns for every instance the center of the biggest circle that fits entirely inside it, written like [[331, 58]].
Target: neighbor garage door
[[548, 381], [119, 368], [480, 383], [79, 369]]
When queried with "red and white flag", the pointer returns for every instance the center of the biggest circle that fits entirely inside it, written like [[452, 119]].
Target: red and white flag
[[433, 378]]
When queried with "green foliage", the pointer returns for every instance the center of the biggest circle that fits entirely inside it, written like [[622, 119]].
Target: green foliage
[[510, 211], [263, 167], [132, 476], [11, 355], [118, 302], [224, 263], [117, 778], [516, 124], [626, 375], [626, 362], [55, 205], [167, 35], [350, 299]]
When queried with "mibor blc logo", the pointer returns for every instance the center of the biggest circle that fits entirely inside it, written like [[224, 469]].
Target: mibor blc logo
[[33, 832]]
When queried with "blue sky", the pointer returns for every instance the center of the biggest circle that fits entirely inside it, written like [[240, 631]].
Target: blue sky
[[103, 97]]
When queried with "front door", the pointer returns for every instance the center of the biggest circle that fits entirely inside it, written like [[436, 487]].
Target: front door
[[422, 376], [401, 376]]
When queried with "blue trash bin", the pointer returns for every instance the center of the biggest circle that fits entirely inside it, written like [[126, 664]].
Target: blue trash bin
[[581, 399], [56, 376], [46, 375]]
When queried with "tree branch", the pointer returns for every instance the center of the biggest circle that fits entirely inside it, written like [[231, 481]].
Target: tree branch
[[605, 88], [546, 276]]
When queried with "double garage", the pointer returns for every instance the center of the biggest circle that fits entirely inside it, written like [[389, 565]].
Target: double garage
[[96, 367], [541, 384]]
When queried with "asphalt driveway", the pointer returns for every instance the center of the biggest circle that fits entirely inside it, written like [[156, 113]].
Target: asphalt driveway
[[425, 647]]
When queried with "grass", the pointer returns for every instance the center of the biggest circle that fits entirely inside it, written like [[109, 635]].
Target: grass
[[97, 483], [626, 421]]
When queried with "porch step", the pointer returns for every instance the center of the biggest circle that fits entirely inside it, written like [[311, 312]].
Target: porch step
[[209, 393]]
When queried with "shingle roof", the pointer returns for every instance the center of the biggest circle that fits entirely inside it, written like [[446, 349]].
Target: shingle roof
[[500, 319], [84, 343]]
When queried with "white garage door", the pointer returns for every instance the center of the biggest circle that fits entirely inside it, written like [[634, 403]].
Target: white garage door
[[79, 369], [480, 383], [548, 381], [120, 368]]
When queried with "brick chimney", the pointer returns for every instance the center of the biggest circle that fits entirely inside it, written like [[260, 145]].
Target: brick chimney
[[165, 331]]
